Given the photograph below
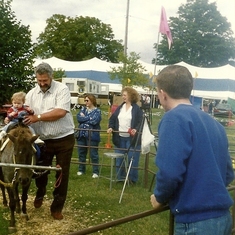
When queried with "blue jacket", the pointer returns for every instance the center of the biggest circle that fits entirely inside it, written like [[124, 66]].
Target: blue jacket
[[90, 120], [194, 165], [136, 120]]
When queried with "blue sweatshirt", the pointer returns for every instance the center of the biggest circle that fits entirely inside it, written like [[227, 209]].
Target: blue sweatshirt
[[194, 165]]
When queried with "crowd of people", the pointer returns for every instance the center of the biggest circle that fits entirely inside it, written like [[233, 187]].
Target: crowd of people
[[46, 110], [190, 141]]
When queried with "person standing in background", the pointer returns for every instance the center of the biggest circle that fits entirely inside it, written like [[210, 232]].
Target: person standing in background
[[124, 125], [147, 101], [194, 165], [53, 121], [157, 102], [89, 118], [210, 107]]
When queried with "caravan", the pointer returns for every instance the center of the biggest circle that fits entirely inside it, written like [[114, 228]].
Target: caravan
[[80, 86]]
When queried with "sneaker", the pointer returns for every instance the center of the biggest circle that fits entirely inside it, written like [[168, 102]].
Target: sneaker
[[94, 176], [79, 173], [39, 142]]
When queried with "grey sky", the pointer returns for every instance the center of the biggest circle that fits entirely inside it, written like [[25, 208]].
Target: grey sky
[[144, 17]]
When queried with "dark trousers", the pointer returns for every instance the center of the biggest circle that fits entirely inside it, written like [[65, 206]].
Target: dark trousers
[[62, 149]]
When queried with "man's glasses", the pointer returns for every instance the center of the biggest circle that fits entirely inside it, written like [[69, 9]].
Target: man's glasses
[[86, 100]]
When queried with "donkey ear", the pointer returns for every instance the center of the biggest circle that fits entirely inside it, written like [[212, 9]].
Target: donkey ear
[[11, 137]]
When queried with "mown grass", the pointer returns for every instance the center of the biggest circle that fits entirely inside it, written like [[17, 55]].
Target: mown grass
[[91, 202]]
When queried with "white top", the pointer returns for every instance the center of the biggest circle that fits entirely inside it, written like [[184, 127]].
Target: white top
[[124, 119], [147, 100], [57, 96]]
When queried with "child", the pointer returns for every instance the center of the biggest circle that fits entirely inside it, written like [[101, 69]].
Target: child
[[16, 112]]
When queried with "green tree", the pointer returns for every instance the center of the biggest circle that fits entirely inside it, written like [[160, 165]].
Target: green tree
[[16, 54], [201, 36], [58, 74], [77, 39], [130, 72]]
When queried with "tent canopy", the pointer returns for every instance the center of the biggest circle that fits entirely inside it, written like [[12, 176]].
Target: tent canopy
[[213, 83]]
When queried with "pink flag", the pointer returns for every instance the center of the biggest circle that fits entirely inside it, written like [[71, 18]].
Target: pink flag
[[164, 27]]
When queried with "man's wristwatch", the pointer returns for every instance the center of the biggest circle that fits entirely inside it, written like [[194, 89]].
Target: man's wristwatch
[[39, 117]]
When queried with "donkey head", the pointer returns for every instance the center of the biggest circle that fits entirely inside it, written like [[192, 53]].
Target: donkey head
[[23, 152]]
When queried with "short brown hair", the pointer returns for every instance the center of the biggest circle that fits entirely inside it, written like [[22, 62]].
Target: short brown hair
[[132, 94], [92, 98], [176, 81]]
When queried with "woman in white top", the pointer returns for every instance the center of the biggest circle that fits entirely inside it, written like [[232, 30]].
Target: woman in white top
[[125, 125]]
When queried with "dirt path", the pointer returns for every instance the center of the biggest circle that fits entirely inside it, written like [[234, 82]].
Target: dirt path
[[41, 223]]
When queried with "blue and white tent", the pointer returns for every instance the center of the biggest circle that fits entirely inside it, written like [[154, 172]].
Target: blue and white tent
[[211, 83]]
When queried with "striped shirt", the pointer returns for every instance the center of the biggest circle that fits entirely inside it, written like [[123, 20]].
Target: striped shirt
[[57, 96]]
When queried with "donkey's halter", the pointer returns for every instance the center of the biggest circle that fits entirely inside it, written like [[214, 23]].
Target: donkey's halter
[[36, 174], [39, 173]]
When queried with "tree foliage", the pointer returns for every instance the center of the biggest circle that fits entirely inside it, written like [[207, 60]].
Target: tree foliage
[[77, 39], [130, 72], [201, 36], [58, 74], [16, 54]]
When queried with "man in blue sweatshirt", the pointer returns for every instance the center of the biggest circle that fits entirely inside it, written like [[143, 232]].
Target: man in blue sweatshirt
[[194, 165]]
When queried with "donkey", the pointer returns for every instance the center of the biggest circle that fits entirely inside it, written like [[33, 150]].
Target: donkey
[[17, 150], [4, 198]]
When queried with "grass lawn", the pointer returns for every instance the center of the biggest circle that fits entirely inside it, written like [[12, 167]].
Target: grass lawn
[[90, 203]]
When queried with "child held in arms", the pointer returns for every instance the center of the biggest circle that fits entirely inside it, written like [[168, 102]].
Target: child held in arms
[[17, 111]]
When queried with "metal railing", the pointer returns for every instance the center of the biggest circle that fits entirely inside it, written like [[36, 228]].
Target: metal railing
[[125, 220]]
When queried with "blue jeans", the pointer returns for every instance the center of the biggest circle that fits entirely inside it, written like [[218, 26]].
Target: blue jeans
[[82, 153], [121, 174], [4, 128], [215, 226]]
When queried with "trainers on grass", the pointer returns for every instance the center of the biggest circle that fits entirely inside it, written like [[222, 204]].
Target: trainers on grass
[[94, 176]]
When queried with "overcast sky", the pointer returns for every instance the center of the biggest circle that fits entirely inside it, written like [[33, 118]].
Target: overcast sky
[[144, 16]]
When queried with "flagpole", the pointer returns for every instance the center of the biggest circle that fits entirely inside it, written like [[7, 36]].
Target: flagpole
[[155, 64], [126, 36], [126, 30], [154, 72]]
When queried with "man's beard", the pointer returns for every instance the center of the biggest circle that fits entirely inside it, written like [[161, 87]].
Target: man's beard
[[44, 88]]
